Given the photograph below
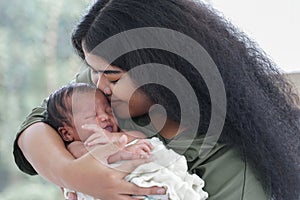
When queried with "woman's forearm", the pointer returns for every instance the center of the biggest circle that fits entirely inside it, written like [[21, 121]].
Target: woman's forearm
[[45, 150]]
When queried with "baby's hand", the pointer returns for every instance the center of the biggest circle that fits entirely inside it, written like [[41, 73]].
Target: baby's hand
[[140, 147], [139, 150], [96, 139], [102, 136]]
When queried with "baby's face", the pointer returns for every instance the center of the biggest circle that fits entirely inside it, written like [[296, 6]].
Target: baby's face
[[92, 108]]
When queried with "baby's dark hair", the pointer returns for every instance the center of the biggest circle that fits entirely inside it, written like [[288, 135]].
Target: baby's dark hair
[[59, 105]]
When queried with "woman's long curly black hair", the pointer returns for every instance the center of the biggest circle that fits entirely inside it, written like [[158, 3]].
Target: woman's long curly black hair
[[262, 119]]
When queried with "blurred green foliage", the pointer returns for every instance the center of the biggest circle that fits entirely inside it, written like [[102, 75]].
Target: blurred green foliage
[[36, 57]]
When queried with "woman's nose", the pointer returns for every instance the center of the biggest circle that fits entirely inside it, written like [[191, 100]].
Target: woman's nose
[[103, 85]]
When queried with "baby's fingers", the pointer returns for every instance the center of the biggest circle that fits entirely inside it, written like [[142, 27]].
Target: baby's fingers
[[140, 149], [146, 148], [145, 142]]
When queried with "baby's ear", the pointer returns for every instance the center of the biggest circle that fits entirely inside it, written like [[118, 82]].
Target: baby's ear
[[66, 134]]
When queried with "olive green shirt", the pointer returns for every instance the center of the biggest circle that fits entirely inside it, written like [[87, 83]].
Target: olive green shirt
[[226, 173]]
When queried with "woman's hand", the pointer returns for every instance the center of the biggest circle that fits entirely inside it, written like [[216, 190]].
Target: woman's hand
[[72, 196], [68, 194], [113, 185]]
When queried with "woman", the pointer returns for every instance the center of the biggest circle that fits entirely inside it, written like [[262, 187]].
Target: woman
[[256, 155]]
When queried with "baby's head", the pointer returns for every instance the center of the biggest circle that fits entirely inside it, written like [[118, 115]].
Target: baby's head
[[75, 105]]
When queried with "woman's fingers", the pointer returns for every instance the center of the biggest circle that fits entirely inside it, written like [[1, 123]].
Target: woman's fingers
[[132, 189], [72, 196]]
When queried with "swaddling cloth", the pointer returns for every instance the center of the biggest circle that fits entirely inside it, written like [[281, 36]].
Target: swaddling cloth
[[168, 170]]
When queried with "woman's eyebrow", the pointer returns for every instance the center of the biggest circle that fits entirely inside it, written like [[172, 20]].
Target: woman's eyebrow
[[104, 71], [110, 71]]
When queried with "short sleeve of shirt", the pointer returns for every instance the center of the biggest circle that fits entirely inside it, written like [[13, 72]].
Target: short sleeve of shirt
[[38, 114]]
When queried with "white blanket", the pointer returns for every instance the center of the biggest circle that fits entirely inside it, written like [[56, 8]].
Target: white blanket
[[169, 170]]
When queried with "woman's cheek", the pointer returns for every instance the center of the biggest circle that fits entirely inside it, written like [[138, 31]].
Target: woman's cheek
[[124, 89]]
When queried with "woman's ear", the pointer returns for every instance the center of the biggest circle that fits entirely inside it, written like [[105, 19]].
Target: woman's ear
[[66, 134]]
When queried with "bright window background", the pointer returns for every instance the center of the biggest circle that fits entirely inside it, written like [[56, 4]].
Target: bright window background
[[273, 24]]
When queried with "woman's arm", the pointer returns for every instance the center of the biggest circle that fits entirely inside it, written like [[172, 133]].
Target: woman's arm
[[45, 150], [42, 147]]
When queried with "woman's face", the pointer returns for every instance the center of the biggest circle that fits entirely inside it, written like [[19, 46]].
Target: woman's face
[[118, 86]]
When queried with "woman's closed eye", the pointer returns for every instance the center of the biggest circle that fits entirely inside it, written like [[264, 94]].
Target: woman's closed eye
[[113, 76], [114, 82]]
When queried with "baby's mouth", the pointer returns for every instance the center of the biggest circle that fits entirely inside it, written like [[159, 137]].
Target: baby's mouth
[[109, 128]]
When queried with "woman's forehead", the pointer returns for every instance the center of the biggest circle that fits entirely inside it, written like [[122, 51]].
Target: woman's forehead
[[97, 63]]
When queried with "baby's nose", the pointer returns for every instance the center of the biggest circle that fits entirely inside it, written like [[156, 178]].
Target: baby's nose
[[103, 118]]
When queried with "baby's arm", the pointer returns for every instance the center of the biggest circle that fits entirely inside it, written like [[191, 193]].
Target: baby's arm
[[102, 136], [137, 150], [77, 149]]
